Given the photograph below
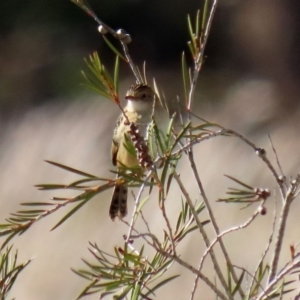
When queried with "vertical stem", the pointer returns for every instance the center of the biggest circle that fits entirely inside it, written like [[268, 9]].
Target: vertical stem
[[282, 225], [213, 220], [204, 235]]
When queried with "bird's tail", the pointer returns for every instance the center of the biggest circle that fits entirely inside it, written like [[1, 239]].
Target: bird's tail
[[118, 205]]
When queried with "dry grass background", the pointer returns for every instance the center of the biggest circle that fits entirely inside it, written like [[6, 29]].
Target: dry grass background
[[255, 91]]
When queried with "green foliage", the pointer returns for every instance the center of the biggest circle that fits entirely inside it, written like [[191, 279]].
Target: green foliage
[[22, 220], [99, 80], [259, 276], [186, 221], [9, 270], [249, 195], [127, 272]]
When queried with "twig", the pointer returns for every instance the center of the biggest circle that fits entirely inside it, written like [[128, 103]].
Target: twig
[[195, 141], [222, 234], [252, 276], [15, 228], [163, 208], [131, 64], [195, 271], [212, 218], [258, 150], [199, 59], [157, 246], [120, 35], [280, 276], [136, 204], [266, 250], [203, 233], [290, 196], [262, 154], [146, 223], [275, 152]]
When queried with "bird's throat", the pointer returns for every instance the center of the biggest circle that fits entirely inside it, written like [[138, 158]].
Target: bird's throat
[[138, 106]]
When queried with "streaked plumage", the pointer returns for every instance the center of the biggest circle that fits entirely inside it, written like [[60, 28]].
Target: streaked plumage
[[140, 99]]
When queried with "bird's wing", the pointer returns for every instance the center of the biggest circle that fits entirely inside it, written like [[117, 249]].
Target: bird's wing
[[116, 141], [114, 152]]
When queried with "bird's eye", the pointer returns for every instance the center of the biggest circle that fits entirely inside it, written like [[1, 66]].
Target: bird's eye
[[144, 96]]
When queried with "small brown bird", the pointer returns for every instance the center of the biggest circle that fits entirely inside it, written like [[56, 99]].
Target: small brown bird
[[140, 100]]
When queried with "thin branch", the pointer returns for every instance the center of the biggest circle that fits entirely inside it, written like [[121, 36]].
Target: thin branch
[[157, 246], [199, 59], [261, 153], [212, 218], [136, 205], [290, 267], [195, 271], [252, 276], [203, 233], [222, 234], [123, 37], [267, 248], [20, 225], [277, 158], [195, 141], [290, 196], [131, 64], [163, 208]]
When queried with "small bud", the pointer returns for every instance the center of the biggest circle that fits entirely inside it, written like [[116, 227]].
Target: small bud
[[102, 29], [281, 178], [123, 36], [262, 210], [260, 152], [262, 193], [121, 33], [127, 39]]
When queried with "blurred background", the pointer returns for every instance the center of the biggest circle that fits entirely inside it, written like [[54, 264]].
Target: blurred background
[[250, 83]]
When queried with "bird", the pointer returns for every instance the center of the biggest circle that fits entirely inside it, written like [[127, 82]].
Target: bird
[[138, 111]]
